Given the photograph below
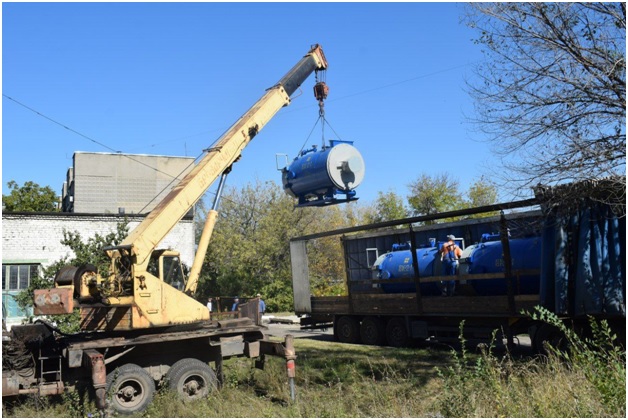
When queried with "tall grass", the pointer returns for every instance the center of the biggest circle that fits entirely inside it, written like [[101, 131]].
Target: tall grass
[[342, 380], [586, 380]]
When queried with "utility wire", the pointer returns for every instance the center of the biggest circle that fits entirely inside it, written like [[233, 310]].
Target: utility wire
[[293, 109], [87, 137], [173, 178]]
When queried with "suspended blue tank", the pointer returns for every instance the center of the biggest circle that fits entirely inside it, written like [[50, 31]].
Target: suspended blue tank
[[488, 257], [315, 177], [485, 257]]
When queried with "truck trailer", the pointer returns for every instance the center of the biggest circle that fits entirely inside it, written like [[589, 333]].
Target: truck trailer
[[563, 250]]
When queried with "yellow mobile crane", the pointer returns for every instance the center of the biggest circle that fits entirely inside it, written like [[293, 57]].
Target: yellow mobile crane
[[137, 329], [136, 293]]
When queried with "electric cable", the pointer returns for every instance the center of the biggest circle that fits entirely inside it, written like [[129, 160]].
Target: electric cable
[[84, 136]]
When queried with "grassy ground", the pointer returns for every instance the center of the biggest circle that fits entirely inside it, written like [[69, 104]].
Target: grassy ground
[[341, 380]]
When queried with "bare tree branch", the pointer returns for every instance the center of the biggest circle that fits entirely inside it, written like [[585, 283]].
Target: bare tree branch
[[552, 94]]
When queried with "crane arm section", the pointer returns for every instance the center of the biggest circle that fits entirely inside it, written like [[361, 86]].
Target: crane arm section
[[154, 228]]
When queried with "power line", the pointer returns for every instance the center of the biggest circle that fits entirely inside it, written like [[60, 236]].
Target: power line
[[88, 138], [174, 178]]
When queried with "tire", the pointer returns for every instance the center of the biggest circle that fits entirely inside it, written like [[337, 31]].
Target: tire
[[347, 330], [191, 379], [373, 331], [548, 335], [396, 333], [130, 389]]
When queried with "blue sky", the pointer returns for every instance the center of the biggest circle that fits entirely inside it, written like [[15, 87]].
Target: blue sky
[[169, 78]]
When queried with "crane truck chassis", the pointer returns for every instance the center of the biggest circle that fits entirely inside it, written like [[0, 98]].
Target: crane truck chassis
[[123, 368], [137, 328]]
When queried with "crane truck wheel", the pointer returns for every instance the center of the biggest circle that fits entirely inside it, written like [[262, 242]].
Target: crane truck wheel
[[130, 389], [347, 330], [373, 331], [396, 332], [191, 379]]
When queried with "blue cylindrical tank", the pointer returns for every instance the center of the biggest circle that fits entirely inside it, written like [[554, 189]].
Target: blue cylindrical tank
[[316, 176], [488, 257], [398, 265]]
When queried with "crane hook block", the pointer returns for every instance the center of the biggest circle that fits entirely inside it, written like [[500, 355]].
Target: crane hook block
[[321, 90]]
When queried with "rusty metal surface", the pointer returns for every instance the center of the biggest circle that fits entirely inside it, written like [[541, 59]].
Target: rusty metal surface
[[51, 388], [250, 310], [57, 301], [106, 318], [96, 362], [277, 348], [10, 383], [148, 336]]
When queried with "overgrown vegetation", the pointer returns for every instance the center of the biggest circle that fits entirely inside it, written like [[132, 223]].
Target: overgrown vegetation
[[587, 379], [343, 380], [250, 248]]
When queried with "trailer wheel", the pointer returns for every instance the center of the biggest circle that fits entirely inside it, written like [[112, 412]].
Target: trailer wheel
[[549, 335], [191, 379], [373, 331], [347, 330], [130, 389], [396, 332]]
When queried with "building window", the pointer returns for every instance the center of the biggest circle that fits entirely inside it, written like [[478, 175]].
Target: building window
[[18, 276], [371, 256]]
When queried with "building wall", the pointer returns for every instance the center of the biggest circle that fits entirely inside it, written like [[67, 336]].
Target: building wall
[[36, 237], [107, 182], [30, 240]]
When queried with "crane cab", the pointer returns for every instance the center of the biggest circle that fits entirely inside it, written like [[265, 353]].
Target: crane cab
[[166, 266]]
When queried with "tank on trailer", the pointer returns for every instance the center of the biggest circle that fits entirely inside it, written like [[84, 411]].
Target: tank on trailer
[[488, 257], [483, 258], [316, 177]]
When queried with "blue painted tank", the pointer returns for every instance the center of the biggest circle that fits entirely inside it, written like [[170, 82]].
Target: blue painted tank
[[398, 265], [487, 257], [315, 177]]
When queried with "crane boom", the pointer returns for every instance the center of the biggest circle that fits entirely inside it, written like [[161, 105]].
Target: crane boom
[[147, 235]]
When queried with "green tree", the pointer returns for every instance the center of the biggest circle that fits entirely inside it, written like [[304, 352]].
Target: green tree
[[434, 194], [30, 197], [552, 93], [482, 193], [388, 206], [249, 251]]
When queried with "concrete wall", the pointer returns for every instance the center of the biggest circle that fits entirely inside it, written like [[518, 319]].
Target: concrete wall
[[105, 182], [35, 237]]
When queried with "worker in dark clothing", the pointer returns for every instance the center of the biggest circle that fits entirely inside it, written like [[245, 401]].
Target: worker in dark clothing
[[450, 253]]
